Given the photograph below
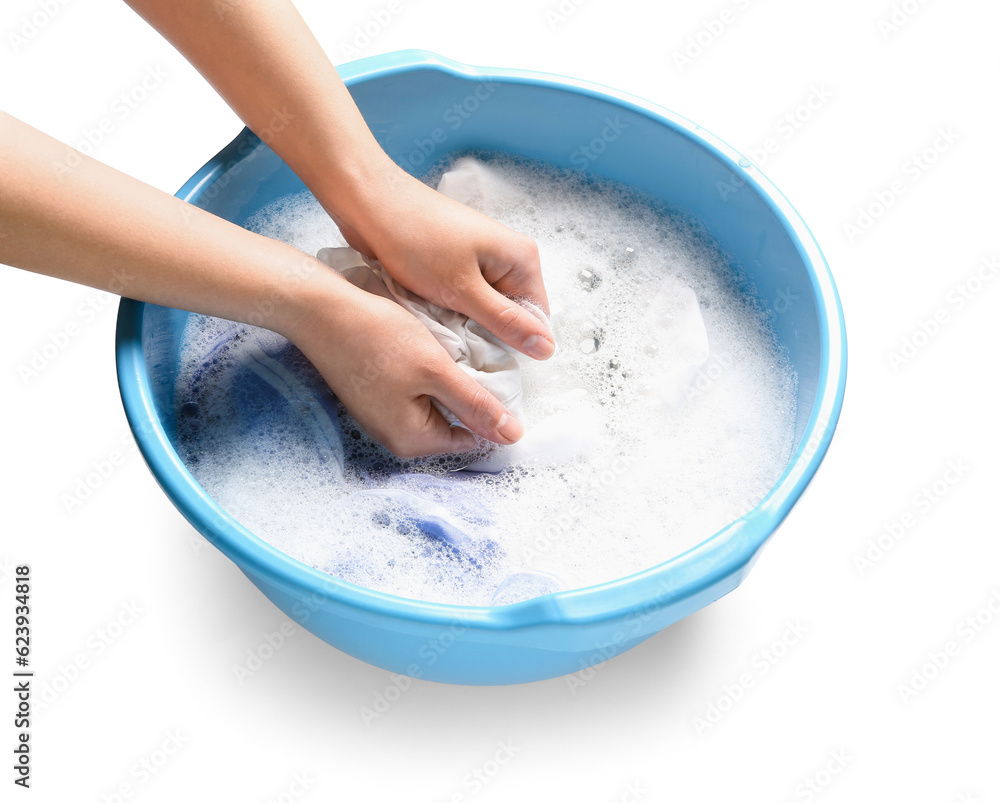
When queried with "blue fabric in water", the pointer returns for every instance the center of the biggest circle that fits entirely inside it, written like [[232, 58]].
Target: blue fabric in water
[[268, 380]]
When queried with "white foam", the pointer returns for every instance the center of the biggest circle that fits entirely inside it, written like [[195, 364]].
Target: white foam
[[654, 433]]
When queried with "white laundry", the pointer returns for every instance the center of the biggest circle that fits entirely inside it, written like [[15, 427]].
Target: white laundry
[[471, 182], [677, 338], [477, 351]]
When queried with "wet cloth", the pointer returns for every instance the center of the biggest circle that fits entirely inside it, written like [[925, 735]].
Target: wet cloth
[[478, 352]]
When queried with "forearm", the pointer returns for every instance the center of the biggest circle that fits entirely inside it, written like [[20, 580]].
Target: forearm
[[262, 59], [94, 225]]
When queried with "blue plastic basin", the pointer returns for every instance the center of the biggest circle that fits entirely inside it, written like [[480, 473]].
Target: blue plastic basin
[[421, 108]]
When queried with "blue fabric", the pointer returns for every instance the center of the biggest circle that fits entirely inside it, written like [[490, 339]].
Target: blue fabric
[[266, 380]]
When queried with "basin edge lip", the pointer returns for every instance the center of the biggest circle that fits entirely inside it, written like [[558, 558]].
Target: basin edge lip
[[723, 555]]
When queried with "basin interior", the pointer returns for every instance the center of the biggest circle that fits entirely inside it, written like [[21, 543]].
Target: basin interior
[[425, 115]]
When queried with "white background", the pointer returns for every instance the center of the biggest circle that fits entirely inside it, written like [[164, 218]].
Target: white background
[[630, 731]]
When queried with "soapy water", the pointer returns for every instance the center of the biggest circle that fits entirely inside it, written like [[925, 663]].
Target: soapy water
[[667, 412]]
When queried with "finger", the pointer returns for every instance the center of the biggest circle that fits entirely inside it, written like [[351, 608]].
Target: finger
[[509, 321], [437, 436], [516, 284], [419, 430], [521, 278], [476, 407]]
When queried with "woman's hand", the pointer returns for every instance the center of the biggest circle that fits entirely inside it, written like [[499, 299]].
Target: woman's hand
[[384, 365], [447, 253], [102, 228], [264, 61]]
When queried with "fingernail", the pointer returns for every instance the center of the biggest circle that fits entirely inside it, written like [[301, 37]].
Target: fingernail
[[510, 428], [539, 347]]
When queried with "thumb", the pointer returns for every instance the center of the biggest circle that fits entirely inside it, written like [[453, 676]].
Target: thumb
[[439, 437], [509, 321]]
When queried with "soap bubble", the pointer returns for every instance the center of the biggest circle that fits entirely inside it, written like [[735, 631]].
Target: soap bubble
[[621, 478], [589, 278]]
